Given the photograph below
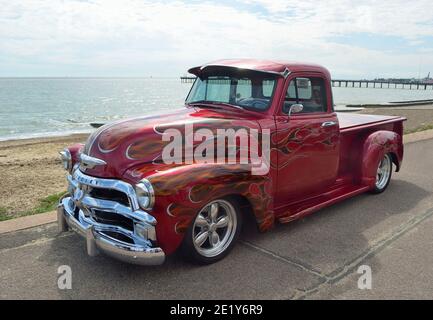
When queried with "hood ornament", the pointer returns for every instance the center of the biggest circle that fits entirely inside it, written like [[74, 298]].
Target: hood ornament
[[88, 162]]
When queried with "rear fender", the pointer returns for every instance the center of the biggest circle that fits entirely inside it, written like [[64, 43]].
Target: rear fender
[[375, 147]]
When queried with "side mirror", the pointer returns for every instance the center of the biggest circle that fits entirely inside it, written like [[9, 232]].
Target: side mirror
[[295, 108]]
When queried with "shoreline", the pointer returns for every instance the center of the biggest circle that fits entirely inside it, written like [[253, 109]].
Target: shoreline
[[43, 135], [409, 104], [42, 139]]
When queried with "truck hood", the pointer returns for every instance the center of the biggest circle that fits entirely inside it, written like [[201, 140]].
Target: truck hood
[[133, 148]]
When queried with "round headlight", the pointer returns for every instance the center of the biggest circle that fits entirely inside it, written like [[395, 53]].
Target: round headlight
[[145, 194], [66, 158]]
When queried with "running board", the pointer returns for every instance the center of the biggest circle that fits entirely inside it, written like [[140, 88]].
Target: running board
[[306, 207]]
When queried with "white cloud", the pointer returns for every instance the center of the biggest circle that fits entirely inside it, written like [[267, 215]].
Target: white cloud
[[135, 37], [394, 18]]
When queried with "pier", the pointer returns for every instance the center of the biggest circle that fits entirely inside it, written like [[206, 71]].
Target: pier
[[362, 84], [185, 79], [381, 84]]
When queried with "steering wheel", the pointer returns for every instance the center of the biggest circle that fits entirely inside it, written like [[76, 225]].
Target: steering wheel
[[253, 103]]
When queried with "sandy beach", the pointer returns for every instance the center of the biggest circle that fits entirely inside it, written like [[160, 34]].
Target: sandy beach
[[31, 171], [417, 116]]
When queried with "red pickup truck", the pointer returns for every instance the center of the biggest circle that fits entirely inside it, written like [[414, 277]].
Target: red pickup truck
[[134, 195]]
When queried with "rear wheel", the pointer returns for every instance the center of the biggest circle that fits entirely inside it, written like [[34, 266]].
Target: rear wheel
[[383, 174], [214, 231]]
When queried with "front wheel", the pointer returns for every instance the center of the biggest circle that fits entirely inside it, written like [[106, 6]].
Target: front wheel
[[383, 174], [214, 231]]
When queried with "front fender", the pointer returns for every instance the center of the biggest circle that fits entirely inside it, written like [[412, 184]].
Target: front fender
[[182, 191], [376, 145]]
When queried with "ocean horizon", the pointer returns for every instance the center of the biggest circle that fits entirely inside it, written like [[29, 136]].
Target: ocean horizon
[[32, 107]]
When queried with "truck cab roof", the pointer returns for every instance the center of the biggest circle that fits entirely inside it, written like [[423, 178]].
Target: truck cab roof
[[282, 68]]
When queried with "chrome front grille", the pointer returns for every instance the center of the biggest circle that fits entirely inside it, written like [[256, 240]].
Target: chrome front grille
[[80, 179], [112, 206], [106, 214]]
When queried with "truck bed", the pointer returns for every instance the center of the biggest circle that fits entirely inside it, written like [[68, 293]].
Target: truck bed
[[353, 121]]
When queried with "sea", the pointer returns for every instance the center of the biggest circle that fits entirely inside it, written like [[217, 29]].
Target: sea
[[39, 107]]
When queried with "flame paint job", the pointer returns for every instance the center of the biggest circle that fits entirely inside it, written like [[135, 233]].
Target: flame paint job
[[136, 141], [311, 166], [183, 191]]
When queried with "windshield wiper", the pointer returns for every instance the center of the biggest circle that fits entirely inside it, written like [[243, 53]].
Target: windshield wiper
[[213, 104], [203, 104], [230, 105]]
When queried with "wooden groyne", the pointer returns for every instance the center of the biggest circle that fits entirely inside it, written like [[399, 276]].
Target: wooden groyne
[[361, 84]]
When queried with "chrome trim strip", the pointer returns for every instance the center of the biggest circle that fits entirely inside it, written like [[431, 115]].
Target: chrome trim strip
[[97, 240]]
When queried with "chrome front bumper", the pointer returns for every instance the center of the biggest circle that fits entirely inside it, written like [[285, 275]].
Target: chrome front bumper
[[129, 245]]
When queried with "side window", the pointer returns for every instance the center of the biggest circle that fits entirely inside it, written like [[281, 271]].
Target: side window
[[310, 92], [291, 92], [305, 90]]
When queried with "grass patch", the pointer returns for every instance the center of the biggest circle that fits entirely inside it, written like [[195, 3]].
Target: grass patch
[[46, 204], [420, 128], [3, 215]]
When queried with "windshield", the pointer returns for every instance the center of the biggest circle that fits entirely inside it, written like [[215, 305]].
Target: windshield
[[253, 92]]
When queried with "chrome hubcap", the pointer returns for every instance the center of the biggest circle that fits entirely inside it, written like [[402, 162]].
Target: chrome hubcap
[[383, 172], [214, 228]]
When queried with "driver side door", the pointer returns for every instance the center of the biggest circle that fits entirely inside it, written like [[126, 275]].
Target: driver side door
[[307, 142]]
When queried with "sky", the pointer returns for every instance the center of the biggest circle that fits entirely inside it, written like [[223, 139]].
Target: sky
[[353, 39]]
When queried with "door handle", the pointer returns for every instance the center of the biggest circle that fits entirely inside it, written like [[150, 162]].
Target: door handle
[[329, 123]]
